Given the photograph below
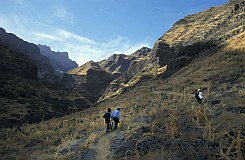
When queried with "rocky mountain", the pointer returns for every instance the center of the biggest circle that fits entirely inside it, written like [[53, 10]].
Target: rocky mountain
[[198, 32], [117, 64], [92, 78], [25, 76], [59, 60], [160, 118], [23, 98], [185, 41], [45, 69]]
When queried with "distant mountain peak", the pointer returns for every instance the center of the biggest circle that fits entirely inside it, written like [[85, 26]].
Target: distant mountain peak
[[59, 60]]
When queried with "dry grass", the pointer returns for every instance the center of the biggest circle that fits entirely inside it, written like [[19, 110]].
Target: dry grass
[[166, 103], [49, 138], [84, 128], [103, 150]]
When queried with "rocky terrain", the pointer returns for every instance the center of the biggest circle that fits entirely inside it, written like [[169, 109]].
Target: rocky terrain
[[59, 60], [185, 41], [198, 32], [160, 118], [116, 65], [92, 78]]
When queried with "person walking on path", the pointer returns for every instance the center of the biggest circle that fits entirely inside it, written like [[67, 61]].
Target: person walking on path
[[107, 117], [199, 96], [116, 116]]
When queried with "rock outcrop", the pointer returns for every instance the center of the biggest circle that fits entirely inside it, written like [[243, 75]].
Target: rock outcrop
[[118, 64], [197, 33], [90, 80], [59, 60]]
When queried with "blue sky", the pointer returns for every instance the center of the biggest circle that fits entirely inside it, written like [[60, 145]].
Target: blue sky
[[95, 29]]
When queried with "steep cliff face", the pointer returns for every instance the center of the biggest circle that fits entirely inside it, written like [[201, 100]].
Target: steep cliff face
[[59, 60], [90, 80], [23, 98], [45, 69], [197, 33], [118, 64]]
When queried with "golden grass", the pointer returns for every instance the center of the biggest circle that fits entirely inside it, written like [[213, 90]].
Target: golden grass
[[65, 130], [165, 102], [103, 150]]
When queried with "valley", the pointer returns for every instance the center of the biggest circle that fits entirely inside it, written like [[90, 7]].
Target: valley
[[48, 115]]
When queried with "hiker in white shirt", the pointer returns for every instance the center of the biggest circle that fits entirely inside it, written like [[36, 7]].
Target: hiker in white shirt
[[116, 116], [199, 96]]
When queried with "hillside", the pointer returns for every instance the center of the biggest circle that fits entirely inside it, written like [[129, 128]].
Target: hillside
[[25, 78], [45, 69], [186, 40], [160, 118]]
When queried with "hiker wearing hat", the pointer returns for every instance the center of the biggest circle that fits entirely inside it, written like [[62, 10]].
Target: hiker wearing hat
[[199, 96], [116, 116]]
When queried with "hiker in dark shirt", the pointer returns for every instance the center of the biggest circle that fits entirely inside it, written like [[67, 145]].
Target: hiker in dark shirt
[[107, 117]]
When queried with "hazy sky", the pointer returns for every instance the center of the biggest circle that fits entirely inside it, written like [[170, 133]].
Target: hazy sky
[[95, 29]]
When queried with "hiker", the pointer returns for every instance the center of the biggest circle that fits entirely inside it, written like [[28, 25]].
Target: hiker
[[199, 96], [116, 116], [107, 117]]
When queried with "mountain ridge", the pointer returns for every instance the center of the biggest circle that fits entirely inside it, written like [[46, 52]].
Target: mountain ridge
[[45, 69], [59, 60]]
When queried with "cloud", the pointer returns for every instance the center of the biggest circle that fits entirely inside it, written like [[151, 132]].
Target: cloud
[[45, 36], [80, 48], [70, 35], [62, 13]]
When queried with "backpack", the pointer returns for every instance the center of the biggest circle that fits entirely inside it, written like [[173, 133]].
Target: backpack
[[196, 95], [107, 115]]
